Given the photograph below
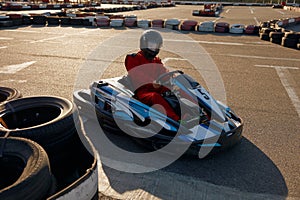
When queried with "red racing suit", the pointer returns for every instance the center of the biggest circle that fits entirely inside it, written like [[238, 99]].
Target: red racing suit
[[143, 73]]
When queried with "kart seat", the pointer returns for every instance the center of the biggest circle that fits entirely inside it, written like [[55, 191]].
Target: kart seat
[[126, 81]]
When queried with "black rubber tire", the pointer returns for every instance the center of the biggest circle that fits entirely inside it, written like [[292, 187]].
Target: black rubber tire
[[7, 94], [25, 166], [264, 36], [7, 23], [276, 35], [288, 42], [39, 20], [276, 40], [50, 121], [266, 30], [291, 35], [52, 20]]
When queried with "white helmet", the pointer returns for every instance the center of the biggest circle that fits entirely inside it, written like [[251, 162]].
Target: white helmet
[[150, 43]]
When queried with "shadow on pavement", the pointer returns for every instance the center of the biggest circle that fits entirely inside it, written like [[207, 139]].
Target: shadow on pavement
[[244, 169]]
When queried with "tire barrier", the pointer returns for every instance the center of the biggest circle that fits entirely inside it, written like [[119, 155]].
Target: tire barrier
[[251, 30], [54, 124], [143, 23], [157, 23], [8, 93], [116, 23], [12, 6], [264, 33], [275, 32], [49, 121], [222, 27], [208, 26], [39, 20], [67, 18], [290, 39], [276, 37], [102, 21], [130, 21], [172, 24], [76, 21], [188, 25], [237, 29], [53, 20], [25, 170]]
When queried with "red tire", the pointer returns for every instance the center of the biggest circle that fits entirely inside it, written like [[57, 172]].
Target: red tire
[[157, 23], [222, 24], [189, 23]]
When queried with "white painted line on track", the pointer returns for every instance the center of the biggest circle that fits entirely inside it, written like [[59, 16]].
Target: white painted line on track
[[251, 10], [3, 47], [276, 67], [217, 19], [283, 73], [207, 42], [261, 57], [223, 43], [168, 59], [227, 11], [280, 12], [46, 39], [12, 69], [13, 80], [255, 19], [22, 31], [6, 38]]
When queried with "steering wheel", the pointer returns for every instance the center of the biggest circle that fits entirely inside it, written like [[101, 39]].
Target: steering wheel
[[160, 81]]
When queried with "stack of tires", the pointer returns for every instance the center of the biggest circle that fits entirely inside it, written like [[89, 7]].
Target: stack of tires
[[116, 23], [172, 24], [53, 20], [207, 26], [276, 36], [102, 21], [143, 23], [76, 21], [17, 19], [25, 170], [291, 40], [264, 33], [44, 149], [222, 27], [89, 21], [237, 29], [5, 21], [130, 21], [39, 20], [157, 23], [251, 30], [188, 25], [65, 21]]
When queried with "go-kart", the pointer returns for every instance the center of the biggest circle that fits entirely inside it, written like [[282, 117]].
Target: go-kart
[[210, 123]]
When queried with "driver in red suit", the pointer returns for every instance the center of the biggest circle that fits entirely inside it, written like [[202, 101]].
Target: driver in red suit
[[144, 67]]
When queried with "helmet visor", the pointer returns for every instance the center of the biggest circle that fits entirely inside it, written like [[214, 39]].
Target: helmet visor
[[153, 46]]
